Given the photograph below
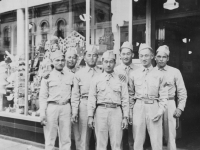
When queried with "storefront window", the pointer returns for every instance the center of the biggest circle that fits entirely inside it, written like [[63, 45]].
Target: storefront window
[[137, 38], [7, 39], [139, 9], [52, 26]]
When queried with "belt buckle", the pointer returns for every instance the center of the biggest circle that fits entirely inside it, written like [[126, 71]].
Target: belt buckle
[[115, 106], [149, 101], [106, 105], [63, 103]]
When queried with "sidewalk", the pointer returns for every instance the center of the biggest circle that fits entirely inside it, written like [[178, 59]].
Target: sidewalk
[[11, 145]]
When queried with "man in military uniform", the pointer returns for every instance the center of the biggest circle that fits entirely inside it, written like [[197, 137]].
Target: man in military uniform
[[126, 55], [151, 96], [55, 109], [109, 97], [71, 60], [79, 100], [175, 84]]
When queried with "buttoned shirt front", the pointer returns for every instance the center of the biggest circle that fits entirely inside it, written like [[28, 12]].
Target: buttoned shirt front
[[57, 87], [149, 83], [126, 70], [81, 85], [108, 88], [175, 83]]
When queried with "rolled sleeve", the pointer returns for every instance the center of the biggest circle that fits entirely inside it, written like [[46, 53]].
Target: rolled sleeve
[[92, 98], [43, 96], [75, 99]]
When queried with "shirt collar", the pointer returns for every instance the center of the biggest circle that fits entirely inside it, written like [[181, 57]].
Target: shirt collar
[[164, 68], [124, 66], [150, 68], [57, 72], [89, 68], [106, 74]]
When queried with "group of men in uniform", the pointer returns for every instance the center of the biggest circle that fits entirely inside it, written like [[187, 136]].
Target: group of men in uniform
[[111, 99]]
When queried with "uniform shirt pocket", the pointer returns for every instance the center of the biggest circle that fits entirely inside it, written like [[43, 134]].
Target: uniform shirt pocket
[[53, 87], [101, 88], [117, 91], [67, 85]]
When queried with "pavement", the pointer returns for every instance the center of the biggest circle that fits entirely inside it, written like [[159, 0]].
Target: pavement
[[7, 144], [12, 145]]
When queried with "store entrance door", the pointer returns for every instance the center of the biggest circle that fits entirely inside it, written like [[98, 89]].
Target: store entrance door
[[183, 38]]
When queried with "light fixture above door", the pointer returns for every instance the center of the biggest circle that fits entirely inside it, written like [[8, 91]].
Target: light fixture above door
[[171, 4]]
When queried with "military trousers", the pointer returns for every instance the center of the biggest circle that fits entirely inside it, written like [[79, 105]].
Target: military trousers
[[169, 125], [108, 123], [82, 132], [58, 118], [142, 120]]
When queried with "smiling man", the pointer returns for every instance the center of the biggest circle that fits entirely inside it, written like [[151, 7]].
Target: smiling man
[[150, 101], [125, 68], [175, 84], [71, 60]]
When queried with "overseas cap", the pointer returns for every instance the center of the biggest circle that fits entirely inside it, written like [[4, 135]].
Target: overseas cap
[[127, 45], [164, 49], [144, 46], [71, 51], [91, 49], [108, 54], [56, 54]]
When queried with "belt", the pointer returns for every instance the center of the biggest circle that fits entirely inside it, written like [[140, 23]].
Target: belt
[[171, 98], [147, 101], [84, 97], [58, 103], [109, 105]]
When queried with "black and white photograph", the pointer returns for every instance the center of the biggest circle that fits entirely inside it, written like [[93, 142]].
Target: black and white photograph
[[99, 75]]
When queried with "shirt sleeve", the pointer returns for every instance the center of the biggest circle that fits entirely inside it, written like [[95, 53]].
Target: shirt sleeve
[[75, 99], [181, 91], [131, 91], [43, 96], [92, 98], [163, 92], [125, 99]]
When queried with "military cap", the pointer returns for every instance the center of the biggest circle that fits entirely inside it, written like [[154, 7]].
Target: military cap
[[108, 54], [127, 45], [164, 49], [144, 46], [72, 51], [56, 54], [91, 49]]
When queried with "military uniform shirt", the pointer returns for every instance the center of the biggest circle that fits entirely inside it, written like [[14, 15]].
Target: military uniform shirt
[[150, 84], [81, 85], [103, 91], [73, 70], [57, 87], [126, 70], [175, 82]]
